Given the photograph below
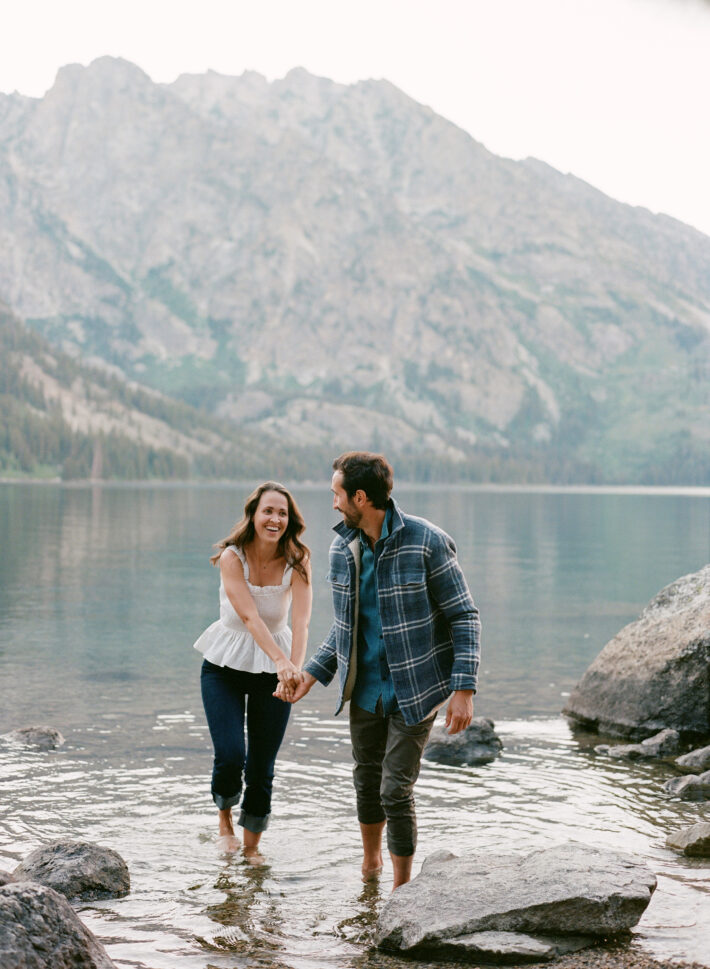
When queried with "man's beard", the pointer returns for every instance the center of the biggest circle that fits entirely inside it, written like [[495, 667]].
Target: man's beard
[[350, 521]]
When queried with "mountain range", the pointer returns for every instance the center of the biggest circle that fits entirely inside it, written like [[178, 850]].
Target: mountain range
[[322, 267]]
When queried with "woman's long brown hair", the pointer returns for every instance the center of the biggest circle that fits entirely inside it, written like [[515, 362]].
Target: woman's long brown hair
[[290, 544]]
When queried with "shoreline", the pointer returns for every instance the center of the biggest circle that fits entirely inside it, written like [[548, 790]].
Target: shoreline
[[464, 487]]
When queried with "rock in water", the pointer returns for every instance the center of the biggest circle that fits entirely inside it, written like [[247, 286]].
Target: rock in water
[[693, 841], [38, 735], [77, 869], [39, 930], [691, 787], [477, 744], [696, 760], [664, 744], [551, 895], [654, 673]]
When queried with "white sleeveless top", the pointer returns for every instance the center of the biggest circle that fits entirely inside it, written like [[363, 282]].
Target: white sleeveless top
[[228, 642]]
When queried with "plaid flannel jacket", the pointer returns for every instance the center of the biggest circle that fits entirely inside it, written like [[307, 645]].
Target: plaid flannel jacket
[[429, 622]]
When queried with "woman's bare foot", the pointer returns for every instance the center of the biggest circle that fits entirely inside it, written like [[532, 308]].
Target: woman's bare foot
[[251, 847], [252, 856], [226, 828], [229, 843]]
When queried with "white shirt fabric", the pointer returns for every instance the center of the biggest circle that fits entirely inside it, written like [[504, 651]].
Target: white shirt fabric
[[228, 642]]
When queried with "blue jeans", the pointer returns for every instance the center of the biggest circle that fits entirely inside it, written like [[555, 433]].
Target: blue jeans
[[229, 697]]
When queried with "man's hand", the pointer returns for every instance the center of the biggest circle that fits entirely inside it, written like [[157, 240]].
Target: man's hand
[[298, 692], [459, 712]]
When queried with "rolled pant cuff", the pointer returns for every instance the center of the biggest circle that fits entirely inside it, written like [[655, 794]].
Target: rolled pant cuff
[[224, 803], [252, 823], [401, 850]]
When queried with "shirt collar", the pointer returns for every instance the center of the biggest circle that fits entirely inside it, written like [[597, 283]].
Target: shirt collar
[[386, 526]]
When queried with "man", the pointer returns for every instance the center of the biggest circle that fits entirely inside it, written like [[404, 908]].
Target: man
[[405, 638]]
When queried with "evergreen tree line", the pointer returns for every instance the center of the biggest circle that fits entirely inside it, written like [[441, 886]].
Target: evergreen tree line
[[36, 439]]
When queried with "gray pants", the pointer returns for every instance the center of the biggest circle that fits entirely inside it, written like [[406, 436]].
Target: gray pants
[[387, 754]]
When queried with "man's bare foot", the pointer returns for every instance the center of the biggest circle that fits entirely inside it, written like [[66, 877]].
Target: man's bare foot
[[371, 868]]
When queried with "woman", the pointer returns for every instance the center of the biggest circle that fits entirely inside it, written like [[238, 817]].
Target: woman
[[250, 651]]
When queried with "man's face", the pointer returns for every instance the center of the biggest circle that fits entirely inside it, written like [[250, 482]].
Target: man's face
[[352, 516]]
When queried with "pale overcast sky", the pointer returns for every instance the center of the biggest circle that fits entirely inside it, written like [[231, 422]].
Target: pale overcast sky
[[614, 91]]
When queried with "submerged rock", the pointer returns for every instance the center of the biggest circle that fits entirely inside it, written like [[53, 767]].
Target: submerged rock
[[654, 673], [693, 841], [664, 744], [37, 735], [477, 744], [690, 787], [696, 760], [77, 869], [567, 895], [40, 930]]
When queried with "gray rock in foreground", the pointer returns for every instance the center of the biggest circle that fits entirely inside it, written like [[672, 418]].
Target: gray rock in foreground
[[40, 930], [569, 890], [691, 787], [693, 841], [6, 878], [664, 744], [77, 869], [696, 760], [477, 744], [37, 735], [653, 674]]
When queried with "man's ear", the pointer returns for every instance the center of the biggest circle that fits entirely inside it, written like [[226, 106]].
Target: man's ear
[[360, 497]]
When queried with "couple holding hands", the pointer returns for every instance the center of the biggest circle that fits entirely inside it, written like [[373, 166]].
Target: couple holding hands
[[404, 640]]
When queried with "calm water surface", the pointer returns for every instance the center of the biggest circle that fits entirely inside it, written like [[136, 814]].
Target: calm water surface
[[102, 592]]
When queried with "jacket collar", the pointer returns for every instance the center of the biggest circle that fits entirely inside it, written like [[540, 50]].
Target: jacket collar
[[348, 534]]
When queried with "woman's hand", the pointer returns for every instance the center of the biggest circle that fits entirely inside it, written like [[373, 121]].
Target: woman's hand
[[289, 677]]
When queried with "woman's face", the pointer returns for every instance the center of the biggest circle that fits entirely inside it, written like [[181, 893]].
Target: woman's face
[[271, 517]]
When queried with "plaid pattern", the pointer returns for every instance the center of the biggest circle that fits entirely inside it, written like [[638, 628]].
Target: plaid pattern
[[429, 621]]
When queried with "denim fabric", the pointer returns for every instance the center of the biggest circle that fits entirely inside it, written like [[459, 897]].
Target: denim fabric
[[388, 754], [230, 697], [373, 683]]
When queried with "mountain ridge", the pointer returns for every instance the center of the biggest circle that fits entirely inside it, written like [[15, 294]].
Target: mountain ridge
[[339, 264]]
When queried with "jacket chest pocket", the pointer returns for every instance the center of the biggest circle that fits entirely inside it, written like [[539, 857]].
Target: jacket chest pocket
[[339, 581], [408, 580]]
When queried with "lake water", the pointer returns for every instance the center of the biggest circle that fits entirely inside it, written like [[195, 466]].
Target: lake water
[[103, 591]]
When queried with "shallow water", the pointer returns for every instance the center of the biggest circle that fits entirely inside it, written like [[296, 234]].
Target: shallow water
[[101, 594]]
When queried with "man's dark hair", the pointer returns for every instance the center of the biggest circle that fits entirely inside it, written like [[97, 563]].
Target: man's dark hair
[[364, 471]]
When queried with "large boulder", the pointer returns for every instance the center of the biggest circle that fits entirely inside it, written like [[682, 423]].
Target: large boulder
[[655, 673], [77, 869], [553, 896], [40, 930], [693, 841], [39, 736], [477, 744]]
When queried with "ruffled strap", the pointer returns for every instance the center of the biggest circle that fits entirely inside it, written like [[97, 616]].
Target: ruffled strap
[[241, 556]]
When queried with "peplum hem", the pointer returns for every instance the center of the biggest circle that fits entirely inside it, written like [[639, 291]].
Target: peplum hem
[[223, 646]]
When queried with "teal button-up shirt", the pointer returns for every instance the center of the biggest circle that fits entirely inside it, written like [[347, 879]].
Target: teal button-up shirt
[[374, 680]]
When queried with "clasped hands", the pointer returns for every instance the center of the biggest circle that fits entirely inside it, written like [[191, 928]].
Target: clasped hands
[[293, 683]]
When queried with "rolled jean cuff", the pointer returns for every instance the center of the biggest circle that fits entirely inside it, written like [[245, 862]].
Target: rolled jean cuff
[[252, 823], [224, 803]]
